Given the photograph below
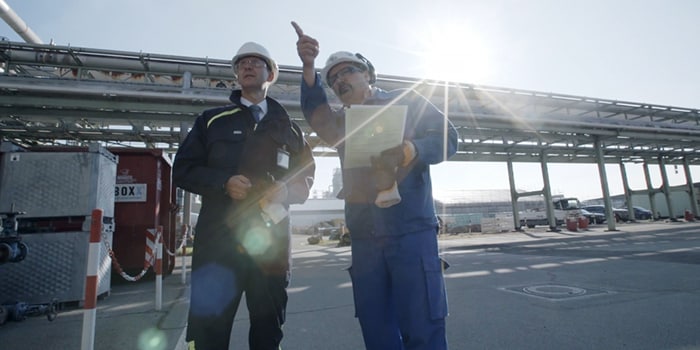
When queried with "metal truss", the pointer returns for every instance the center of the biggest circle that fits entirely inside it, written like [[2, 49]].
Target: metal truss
[[62, 95]]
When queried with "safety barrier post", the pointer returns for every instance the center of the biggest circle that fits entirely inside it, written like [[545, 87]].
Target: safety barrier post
[[159, 269], [90, 314], [185, 231]]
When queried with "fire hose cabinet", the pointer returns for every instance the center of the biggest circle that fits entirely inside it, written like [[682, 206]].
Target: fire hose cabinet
[[144, 199], [56, 193]]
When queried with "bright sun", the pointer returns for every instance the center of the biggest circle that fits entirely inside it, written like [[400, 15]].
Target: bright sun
[[453, 52]]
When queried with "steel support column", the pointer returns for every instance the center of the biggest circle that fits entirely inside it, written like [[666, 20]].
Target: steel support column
[[651, 192], [547, 191], [666, 187], [513, 196], [610, 218], [691, 188], [628, 192]]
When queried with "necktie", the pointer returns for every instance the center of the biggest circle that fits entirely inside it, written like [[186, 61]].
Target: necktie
[[257, 112]]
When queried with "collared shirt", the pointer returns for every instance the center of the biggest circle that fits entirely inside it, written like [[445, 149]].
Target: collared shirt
[[262, 105]]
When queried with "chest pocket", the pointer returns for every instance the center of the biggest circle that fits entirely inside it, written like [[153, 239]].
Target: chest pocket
[[226, 142]]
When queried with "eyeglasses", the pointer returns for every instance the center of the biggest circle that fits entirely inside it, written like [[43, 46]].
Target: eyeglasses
[[343, 72], [250, 62]]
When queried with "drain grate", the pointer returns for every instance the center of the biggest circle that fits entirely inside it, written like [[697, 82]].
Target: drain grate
[[555, 292]]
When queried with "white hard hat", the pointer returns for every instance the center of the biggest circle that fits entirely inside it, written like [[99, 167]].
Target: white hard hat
[[347, 57], [254, 49]]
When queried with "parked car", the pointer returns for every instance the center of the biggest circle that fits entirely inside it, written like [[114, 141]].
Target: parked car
[[593, 218], [641, 213], [620, 214]]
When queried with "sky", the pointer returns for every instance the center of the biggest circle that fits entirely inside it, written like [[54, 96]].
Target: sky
[[629, 50]]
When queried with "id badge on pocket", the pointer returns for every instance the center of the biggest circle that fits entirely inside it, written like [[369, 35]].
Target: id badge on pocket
[[282, 158]]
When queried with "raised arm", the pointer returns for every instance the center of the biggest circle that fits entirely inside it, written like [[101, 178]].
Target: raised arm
[[307, 48]]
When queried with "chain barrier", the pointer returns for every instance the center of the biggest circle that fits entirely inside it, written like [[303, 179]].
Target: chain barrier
[[109, 227], [183, 241], [117, 266]]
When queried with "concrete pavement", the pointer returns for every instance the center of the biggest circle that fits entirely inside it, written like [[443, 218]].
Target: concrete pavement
[[127, 319]]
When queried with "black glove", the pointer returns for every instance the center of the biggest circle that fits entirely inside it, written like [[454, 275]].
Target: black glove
[[384, 173], [393, 157]]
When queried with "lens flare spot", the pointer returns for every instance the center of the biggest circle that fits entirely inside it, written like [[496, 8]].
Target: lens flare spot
[[257, 241], [212, 286], [152, 339]]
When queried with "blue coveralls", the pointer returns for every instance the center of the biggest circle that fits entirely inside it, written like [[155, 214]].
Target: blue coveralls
[[235, 250], [396, 272]]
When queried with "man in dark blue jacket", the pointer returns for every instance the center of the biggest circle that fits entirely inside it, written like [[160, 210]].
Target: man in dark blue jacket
[[248, 161], [396, 272]]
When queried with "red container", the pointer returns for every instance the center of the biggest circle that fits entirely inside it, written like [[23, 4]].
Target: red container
[[583, 222], [144, 199]]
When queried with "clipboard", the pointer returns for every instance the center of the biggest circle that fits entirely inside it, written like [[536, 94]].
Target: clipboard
[[370, 130]]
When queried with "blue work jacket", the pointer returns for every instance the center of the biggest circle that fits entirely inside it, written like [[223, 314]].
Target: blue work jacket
[[226, 141], [435, 140]]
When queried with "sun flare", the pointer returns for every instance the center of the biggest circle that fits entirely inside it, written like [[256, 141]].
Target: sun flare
[[454, 52]]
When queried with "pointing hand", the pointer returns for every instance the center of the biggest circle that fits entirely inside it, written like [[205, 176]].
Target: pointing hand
[[307, 47]]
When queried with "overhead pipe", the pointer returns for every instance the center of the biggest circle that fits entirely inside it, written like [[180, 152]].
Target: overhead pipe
[[125, 61], [612, 106], [604, 129], [539, 125], [660, 133], [171, 64], [144, 63], [100, 59], [83, 58], [14, 21]]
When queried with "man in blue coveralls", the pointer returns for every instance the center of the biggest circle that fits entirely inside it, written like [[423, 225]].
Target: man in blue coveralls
[[396, 272]]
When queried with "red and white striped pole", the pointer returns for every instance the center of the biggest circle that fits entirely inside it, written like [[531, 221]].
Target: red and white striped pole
[[93, 264], [159, 269], [184, 254]]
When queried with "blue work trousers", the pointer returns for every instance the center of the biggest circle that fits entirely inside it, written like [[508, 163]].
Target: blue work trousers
[[399, 291]]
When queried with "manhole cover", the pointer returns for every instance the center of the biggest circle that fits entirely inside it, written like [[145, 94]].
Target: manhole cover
[[555, 291]]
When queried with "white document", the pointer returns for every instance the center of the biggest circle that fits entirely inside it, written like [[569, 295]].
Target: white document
[[370, 130]]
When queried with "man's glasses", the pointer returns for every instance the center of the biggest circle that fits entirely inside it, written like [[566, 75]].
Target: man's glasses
[[250, 62], [343, 72]]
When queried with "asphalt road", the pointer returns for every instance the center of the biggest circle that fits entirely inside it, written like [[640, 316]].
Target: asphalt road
[[636, 288]]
